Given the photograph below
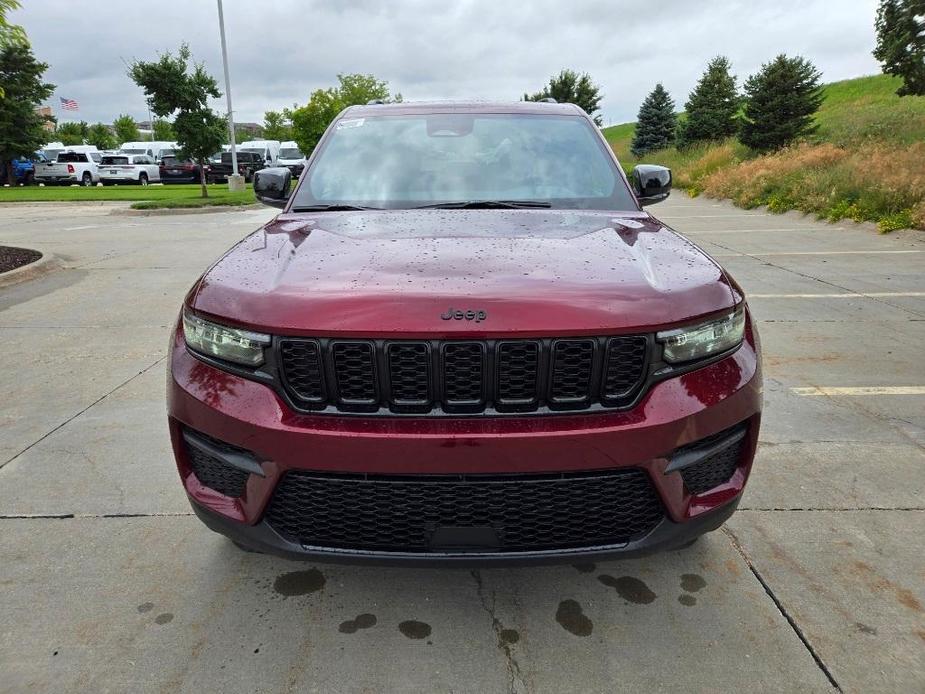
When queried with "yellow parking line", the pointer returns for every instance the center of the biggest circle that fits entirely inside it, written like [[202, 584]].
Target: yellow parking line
[[860, 390], [852, 295]]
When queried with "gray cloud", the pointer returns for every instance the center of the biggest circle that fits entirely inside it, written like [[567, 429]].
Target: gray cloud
[[282, 50]]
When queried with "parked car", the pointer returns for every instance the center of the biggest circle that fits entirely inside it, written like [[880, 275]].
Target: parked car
[[464, 340], [77, 164], [173, 170], [248, 163], [23, 169], [129, 168], [267, 149], [291, 157]]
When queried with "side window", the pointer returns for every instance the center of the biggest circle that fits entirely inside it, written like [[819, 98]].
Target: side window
[[95, 156]]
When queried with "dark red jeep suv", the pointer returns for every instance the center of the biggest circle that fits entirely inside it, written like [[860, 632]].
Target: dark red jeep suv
[[463, 340]]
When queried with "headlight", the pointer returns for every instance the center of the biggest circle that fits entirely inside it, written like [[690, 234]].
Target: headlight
[[222, 342], [705, 339]]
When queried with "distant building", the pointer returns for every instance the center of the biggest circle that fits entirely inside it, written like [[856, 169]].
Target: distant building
[[46, 111]]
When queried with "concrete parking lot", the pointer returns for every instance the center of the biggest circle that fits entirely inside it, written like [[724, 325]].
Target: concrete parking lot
[[109, 584]]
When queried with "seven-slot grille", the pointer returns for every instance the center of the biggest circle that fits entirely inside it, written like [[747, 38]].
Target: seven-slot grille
[[463, 376]]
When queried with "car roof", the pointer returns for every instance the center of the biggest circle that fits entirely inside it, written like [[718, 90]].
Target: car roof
[[425, 107]]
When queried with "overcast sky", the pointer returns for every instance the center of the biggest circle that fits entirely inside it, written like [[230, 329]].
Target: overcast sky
[[281, 50]]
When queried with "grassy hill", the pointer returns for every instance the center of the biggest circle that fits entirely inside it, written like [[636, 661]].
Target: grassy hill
[[865, 161]]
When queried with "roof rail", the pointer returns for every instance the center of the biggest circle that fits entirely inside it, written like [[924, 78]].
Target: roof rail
[[375, 102], [548, 100]]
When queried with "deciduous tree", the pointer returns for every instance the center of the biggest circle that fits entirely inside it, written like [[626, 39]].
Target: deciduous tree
[[125, 128], [781, 99], [174, 86], [310, 121], [656, 123], [72, 132], [568, 87], [276, 126], [101, 136], [163, 130]]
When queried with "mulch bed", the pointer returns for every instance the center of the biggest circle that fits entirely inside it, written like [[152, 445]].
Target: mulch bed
[[12, 258]]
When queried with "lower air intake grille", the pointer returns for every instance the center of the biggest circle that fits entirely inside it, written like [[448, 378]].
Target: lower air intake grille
[[212, 472], [719, 467], [524, 512]]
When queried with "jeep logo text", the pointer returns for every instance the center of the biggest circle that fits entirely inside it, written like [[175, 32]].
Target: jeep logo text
[[454, 314]]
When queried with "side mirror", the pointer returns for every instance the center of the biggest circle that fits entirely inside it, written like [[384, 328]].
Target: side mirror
[[651, 183], [271, 186]]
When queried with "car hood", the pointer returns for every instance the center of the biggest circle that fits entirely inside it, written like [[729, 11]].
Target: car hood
[[397, 273]]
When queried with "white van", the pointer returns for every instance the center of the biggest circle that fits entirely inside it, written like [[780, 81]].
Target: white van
[[157, 150], [291, 157], [269, 149]]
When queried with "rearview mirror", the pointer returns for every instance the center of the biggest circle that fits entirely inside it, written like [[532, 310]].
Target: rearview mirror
[[271, 186], [651, 183]]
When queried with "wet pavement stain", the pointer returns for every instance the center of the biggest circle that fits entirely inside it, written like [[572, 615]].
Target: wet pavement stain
[[692, 583], [586, 567], [629, 588], [571, 618], [414, 629], [163, 618], [299, 582], [363, 621], [145, 607], [509, 636], [687, 600]]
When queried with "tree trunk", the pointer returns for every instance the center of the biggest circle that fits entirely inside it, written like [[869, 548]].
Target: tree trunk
[[202, 178]]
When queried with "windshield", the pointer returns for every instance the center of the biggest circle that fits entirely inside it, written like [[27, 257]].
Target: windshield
[[290, 154], [416, 160]]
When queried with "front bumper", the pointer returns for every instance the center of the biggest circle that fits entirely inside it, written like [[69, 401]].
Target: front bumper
[[674, 413]]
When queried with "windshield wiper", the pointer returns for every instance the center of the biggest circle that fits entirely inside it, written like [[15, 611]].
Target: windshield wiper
[[332, 208], [485, 205]]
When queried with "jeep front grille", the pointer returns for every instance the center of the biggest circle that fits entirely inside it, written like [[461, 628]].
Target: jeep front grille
[[463, 377]]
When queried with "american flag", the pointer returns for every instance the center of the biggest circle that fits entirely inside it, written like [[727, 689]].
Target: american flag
[[68, 104]]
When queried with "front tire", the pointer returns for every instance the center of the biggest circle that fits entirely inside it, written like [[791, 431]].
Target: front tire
[[142, 179], [86, 180]]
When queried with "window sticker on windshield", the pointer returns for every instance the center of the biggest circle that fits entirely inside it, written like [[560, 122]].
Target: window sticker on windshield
[[351, 123]]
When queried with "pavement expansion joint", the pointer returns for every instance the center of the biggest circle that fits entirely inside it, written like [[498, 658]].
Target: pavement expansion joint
[[780, 607]]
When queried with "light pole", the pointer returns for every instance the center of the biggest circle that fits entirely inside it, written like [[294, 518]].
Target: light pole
[[235, 180]]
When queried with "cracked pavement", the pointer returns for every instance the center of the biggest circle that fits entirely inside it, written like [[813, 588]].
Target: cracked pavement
[[109, 583]]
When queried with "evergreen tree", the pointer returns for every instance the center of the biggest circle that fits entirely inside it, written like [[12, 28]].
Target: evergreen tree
[[568, 87], [781, 99], [656, 123], [22, 130], [712, 106], [126, 129], [900, 47]]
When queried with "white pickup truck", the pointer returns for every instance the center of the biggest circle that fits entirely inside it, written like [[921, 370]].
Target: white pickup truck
[[129, 168], [70, 167]]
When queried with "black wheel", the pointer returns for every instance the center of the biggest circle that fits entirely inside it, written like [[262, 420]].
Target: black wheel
[[245, 548], [28, 179], [86, 180], [142, 179]]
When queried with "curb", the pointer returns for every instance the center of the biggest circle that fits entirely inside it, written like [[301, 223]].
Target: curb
[[48, 263], [129, 212]]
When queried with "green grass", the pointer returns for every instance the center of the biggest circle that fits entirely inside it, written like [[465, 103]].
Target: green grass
[[871, 170], [867, 109], [143, 197]]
